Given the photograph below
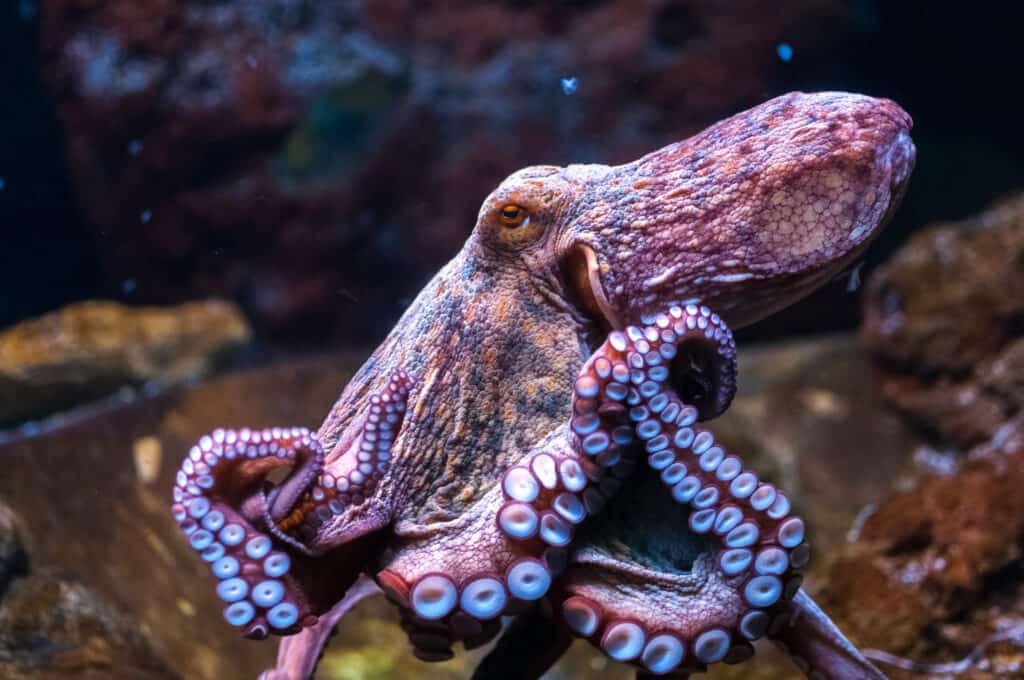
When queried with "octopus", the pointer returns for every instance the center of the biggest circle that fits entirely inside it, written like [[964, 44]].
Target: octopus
[[524, 456]]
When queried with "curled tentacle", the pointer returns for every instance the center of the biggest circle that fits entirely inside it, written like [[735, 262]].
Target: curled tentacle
[[549, 495], [256, 536], [739, 551], [221, 505]]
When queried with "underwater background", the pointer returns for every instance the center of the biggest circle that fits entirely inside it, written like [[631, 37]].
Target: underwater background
[[211, 211]]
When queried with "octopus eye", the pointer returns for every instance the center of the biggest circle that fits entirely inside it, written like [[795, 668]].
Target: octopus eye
[[514, 216]]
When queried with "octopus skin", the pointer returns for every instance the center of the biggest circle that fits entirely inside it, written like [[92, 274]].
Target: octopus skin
[[526, 442]]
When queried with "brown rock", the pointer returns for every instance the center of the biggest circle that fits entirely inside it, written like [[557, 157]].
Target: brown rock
[[55, 628], [943, 321], [936, 569], [91, 349], [294, 155], [93, 496], [13, 558]]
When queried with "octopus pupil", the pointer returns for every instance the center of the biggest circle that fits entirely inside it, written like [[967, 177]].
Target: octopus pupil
[[513, 216]]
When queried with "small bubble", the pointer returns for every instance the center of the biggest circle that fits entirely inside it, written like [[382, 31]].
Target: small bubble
[[251, 61], [785, 51], [128, 286], [569, 85], [27, 10], [135, 147], [146, 216]]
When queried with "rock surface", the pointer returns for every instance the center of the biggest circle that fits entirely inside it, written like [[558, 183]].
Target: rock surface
[[92, 349], [13, 558], [937, 569], [292, 155], [54, 627], [805, 416], [936, 573], [944, 321]]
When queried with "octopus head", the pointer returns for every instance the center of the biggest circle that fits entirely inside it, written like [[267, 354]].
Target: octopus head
[[746, 217]]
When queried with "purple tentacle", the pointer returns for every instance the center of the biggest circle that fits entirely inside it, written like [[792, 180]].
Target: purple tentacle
[[261, 539], [297, 655], [816, 645]]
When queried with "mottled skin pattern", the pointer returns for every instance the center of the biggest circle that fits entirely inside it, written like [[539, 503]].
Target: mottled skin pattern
[[456, 436]]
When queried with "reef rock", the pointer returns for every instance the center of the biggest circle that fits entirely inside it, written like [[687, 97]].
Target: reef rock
[[13, 558], [936, 571], [54, 627], [293, 155], [934, 575], [944, 322], [92, 349]]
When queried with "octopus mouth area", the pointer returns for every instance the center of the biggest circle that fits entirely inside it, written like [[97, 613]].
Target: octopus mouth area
[[698, 373]]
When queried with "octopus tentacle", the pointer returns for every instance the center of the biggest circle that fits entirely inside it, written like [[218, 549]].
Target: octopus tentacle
[[356, 473], [530, 645], [753, 548], [548, 495], [298, 655], [213, 481], [816, 645], [454, 589], [254, 534]]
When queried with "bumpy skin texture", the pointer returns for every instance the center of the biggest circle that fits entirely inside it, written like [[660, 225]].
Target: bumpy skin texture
[[473, 466]]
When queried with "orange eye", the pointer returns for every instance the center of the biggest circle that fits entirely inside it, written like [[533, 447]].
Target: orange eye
[[513, 216]]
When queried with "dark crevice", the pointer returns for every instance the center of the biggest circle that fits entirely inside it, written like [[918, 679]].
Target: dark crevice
[[913, 543]]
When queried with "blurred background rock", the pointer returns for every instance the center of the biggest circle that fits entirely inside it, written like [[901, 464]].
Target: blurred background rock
[[317, 162]]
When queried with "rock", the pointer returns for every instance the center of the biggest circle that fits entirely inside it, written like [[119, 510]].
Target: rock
[[943, 322], [94, 497], [13, 558], [937, 570], [92, 349], [294, 155], [54, 628]]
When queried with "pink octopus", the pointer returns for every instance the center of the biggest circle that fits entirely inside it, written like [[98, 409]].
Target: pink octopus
[[526, 441]]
